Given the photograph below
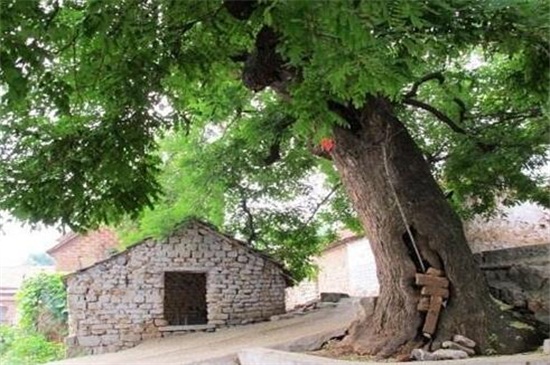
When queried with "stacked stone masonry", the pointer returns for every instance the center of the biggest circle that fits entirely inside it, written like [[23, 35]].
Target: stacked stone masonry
[[119, 302]]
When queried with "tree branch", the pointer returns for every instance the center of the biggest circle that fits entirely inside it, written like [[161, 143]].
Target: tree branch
[[431, 76], [281, 126], [504, 117], [240, 9], [249, 220], [437, 113], [342, 110], [462, 107], [321, 203]]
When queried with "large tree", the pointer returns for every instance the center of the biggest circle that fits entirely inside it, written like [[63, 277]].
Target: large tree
[[397, 92]]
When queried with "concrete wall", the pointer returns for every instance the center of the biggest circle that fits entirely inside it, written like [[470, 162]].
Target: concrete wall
[[334, 270], [8, 306], [363, 281], [345, 267], [117, 303]]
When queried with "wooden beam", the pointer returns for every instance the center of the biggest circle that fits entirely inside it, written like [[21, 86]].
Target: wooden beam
[[435, 272], [433, 314], [429, 280], [423, 304], [435, 291]]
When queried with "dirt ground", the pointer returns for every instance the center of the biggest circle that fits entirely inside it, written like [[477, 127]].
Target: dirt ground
[[299, 334], [285, 334]]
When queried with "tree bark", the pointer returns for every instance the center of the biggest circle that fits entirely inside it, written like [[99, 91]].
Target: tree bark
[[391, 188]]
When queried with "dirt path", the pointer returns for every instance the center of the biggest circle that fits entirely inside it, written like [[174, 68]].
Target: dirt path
[[195, 348]]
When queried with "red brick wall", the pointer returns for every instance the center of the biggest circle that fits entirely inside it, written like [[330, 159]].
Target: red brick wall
[[84, 250]]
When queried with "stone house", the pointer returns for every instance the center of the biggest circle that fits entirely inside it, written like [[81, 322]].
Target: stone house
[[75, 251], [195, 279]]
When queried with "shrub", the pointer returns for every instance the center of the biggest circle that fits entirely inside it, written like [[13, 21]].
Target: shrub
[[42, 304], [7, 337], [42, 326], [20, 347]]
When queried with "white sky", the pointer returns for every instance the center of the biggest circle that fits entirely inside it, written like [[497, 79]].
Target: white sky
[[18, 241]]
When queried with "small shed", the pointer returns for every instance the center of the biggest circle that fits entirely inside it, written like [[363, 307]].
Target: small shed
[[195, 279]]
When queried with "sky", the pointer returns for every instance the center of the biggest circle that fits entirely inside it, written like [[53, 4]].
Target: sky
[[18, 241]]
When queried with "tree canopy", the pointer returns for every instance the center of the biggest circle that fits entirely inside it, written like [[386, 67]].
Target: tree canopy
[[90, 89]]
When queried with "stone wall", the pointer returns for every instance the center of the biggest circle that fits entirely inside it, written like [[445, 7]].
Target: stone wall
[[117, 303], [520, 277], [523, 225], [76, 251]]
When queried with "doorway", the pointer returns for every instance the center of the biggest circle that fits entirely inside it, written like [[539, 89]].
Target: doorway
[[185, 298]]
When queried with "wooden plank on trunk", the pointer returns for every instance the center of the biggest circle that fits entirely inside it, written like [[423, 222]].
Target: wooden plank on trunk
[[438, 292], [423, 304], [435, 272], [429, 280], [433, 314]]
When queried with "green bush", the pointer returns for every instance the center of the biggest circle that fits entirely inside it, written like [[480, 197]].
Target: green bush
[[7, 336], [20, 347], [42, 304]]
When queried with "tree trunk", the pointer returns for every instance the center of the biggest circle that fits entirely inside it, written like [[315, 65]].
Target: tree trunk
[[394, 194], [391, 187]]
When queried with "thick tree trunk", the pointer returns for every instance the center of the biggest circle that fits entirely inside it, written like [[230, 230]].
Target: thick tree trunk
[[394, 193], [391, 187]]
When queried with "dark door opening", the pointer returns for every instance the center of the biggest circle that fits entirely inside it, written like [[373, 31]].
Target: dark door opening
[[185, 298]]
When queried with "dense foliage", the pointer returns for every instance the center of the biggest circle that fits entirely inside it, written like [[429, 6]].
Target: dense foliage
[[42, 306], [38, 336], [21, 347], [89, 89]]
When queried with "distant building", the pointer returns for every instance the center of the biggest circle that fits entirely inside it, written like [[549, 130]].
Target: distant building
[[76, 251], [348, 265], [345, 266], [11, 279]]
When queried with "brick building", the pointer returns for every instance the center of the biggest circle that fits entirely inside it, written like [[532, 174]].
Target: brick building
[[75, 251], [11, 279], [195, 279]]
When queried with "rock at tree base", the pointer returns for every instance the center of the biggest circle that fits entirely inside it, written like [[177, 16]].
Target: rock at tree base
[[333, 297], [442, 354], [455, 346], [546, 347], [464, 341]]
